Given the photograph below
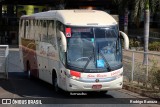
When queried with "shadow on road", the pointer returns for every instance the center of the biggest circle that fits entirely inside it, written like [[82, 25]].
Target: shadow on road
[[20, 85]]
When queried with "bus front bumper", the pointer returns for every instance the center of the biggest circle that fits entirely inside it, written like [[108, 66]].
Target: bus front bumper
[[75, 85]]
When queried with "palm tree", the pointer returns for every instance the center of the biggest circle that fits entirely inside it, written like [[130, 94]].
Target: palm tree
[[141, 6], [61, 4], [145, 6], [123, 10]]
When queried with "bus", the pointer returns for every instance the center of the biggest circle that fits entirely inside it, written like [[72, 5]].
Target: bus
[[74, 50]]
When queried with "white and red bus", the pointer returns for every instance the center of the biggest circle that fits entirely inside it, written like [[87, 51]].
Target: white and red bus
[[75, 50]]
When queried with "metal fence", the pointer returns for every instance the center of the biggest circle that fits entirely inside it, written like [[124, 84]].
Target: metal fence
[[137, 32], [4, 51], [136, 72]]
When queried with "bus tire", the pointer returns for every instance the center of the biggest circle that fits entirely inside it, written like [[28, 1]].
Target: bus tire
[[102, 92], [55, 83], [28, 70]]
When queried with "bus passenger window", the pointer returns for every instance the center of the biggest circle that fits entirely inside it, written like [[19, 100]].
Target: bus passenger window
[[27, 29], [51, 34], [60, 27]]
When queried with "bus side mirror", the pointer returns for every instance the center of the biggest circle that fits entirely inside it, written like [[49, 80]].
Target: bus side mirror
[[63, 41], [126, 40]]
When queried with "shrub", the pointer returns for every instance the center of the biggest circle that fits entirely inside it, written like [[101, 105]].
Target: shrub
[[154, 76], [157, 76], [154, 46], [134, 43]]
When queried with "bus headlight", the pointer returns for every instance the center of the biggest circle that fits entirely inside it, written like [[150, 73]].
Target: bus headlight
[[75, 75]]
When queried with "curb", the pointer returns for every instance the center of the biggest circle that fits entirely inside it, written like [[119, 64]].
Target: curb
[[142, 92]]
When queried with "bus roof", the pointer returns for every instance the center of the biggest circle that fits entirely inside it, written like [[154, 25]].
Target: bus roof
[[75, 17]]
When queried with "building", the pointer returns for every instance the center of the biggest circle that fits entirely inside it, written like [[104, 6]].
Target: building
[[11, 10]]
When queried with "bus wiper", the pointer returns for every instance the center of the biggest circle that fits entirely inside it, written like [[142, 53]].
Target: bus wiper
[[88, 62], [108, 66]]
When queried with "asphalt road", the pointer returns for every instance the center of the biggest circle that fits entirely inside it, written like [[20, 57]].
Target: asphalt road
[[19, 86]]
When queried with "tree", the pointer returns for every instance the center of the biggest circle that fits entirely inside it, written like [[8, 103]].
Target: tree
[[123, 10], [61, 4], [145, 6], [140, 7]]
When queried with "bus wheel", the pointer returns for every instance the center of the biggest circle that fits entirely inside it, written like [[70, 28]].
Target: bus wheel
[[102, 92], [55, 82], [29, 74], [56, 88], [28, 70]]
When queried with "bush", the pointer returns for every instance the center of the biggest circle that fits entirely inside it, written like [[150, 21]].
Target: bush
[[154, 46], [134, 43], [157, 76], [154, 76]]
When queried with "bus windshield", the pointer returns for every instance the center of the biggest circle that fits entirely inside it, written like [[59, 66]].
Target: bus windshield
[[94, 49]]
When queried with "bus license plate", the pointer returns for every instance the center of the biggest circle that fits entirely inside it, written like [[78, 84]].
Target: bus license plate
[[97, 86]]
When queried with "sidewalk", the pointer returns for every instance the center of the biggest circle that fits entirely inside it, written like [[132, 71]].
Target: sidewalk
[[6, 86]]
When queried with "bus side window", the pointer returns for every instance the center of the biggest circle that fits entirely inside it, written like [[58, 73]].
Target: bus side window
[[60, 27], [27, 29], [54, 34], [44, 31], [37, 28], [25, 24], [32, 30], [40, 30], [51, 34], [21, 28]]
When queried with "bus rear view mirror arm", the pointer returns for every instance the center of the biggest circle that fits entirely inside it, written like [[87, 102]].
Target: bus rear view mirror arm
[[63, 41], [126, 40]]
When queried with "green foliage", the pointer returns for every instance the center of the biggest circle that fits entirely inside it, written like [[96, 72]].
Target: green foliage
[[157, 77], [155, 46], [140, 72], [138, 7], [122, 5], [147, 4], [134, 43], [154, 76]]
